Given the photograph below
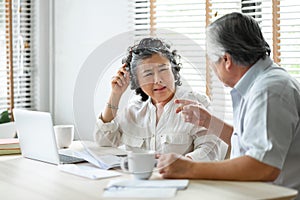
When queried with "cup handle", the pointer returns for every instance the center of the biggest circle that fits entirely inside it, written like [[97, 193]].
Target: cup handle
[[155, 163], [124, 164]]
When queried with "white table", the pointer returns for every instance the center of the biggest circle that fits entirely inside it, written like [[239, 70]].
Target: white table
[[22, 178]]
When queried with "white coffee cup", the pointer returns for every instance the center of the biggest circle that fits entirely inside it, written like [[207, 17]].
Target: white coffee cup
[[139, 164], [64, 135]]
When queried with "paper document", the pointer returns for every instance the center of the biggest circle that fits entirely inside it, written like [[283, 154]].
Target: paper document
[[122, 188], [179, 184], [97, 150], [140, 193], [101, 161], [102, 157], [87, 170]]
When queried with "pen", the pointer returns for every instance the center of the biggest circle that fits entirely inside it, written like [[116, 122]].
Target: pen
[[114, 188]]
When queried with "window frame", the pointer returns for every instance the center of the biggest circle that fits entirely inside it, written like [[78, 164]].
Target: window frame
[[18, 54]]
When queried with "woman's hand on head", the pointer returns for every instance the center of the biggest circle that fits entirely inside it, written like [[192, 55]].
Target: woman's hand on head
[[193, 112], [120, 81]]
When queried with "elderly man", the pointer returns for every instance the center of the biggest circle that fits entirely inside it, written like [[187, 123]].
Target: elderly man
[[265, 136]]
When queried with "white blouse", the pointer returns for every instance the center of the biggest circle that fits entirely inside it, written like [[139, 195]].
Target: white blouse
[[135, 127]]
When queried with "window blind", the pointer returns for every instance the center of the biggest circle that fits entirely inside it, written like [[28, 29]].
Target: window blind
[[181, 24], [16, 63], [279, 21], [139, 18], [263, 14], [220, 95], [289, 36]]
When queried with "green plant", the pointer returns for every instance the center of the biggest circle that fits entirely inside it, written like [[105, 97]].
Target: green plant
[[4, 117]]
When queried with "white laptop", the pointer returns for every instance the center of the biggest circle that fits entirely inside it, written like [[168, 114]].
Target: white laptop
[[37, 139]]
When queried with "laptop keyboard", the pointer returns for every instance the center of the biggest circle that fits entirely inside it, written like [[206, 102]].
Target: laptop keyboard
[[64, 159]]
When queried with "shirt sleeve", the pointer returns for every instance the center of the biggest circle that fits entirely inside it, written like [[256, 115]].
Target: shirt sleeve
[[107, 134], [208, 148]]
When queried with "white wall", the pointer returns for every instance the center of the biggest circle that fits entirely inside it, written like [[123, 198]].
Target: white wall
[[79, 27], [41, 49]]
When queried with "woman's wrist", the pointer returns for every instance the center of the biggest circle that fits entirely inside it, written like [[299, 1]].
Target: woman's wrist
[[113, 101], [111, 106], [115, 95]]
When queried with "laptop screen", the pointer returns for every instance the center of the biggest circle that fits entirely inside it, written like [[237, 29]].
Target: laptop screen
[[36, 135]]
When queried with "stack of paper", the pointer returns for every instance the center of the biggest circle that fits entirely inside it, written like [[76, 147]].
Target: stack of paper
[[101, 161], [87, 170], [9, 146], [140, 193], [144, 188]]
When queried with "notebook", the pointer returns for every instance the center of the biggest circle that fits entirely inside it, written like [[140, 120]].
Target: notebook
[[37, 139]]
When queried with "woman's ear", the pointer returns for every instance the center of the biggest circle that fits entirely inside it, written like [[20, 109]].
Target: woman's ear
[[228, 61]]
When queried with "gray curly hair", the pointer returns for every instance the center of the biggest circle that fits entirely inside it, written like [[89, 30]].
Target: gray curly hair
[[145, 49]]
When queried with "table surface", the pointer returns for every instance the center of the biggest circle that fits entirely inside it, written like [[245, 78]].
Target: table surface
[[25, 178]]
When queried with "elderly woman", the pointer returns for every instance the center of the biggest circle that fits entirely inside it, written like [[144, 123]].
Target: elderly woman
[[151, 122]]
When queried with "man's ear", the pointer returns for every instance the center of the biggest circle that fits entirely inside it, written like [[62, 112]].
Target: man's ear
[[228, 61]]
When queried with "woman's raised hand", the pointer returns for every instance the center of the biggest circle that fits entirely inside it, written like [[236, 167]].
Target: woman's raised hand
[[120, 81]]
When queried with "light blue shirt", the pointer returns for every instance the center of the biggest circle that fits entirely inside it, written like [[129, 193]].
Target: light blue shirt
[[266, 111]]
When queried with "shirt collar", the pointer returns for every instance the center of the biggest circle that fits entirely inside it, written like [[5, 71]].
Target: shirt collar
[[249, 77]]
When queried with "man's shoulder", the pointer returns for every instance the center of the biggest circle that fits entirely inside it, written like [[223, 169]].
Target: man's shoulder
[[275, 79]]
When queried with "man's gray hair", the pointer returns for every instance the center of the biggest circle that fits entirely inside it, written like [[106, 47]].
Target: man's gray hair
[[238, 35]]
